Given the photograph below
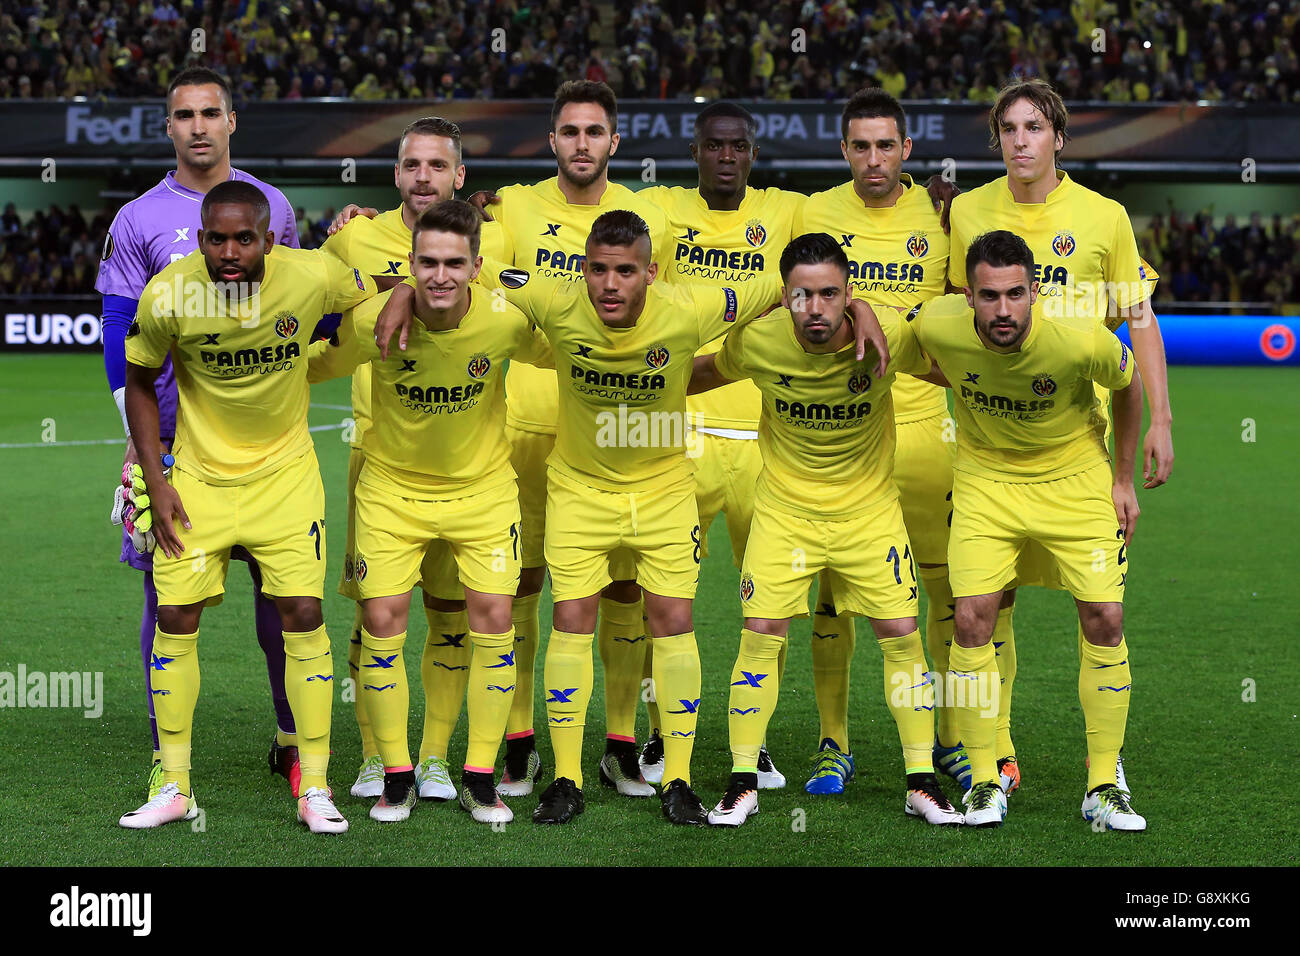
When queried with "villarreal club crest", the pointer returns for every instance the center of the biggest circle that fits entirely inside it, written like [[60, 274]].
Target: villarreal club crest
[[657, 357]]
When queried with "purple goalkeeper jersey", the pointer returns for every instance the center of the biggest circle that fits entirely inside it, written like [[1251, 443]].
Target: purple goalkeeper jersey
[[150, 233]]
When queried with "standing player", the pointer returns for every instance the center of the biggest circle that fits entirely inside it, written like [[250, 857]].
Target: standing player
[[725, 233], [617, 479], [437, 468], [1032, 466], [245, 470], [543, 228], [1086, 259], [428, 169], [898, 255], [826, 502], [148, 234]]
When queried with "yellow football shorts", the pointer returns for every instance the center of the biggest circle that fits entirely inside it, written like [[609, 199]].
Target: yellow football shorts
[[867, 558], [438, 575], [726, 472], [1036, 567], [394, 532], [528, 454], [279, 518], [1072, 519], [656, 528], [923, 473]]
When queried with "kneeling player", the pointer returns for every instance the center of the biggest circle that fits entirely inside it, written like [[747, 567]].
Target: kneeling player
[[826, 500], [437, 468], [236, 316], [1032, 466]]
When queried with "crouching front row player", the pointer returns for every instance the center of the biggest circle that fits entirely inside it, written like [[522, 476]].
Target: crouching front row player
[[1032, 466], [437, 468], [825, 501], [236, 316]]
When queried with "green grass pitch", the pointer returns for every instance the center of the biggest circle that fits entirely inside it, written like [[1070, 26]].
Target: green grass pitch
[[1211, 735]]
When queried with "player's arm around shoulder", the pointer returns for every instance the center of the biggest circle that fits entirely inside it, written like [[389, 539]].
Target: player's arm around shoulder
[[345, 286], [352, 345], [714, 370], [530, 293], [529, 344], [905, 352]]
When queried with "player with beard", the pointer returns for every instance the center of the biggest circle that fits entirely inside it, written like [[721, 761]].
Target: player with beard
[[236, 317]]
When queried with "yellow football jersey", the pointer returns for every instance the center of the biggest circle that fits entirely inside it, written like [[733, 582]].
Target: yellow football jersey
[[378, 247], [242, 377], [1085, 253], [898, 255], [439, 407], [622, 392], [1029, 415], [827, 431], [726, 247], [537, 229]]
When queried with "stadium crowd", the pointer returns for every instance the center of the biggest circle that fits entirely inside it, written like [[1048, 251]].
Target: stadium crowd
[[661, 49], [1199, 258]]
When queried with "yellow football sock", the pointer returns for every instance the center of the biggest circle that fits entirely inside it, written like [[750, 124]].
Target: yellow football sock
[[491, 691], [368, 746], [309, 685], [1105, 685], [677, 678], [938, 640], [651, 702], [833, 643], [568, 674], [524, 618], [755, 683], [1004, 646], [388, 696], [444, 671], [910, 693], [620, 637], [175, 680], [974, 688]]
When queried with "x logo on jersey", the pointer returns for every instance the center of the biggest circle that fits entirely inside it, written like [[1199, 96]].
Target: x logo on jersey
[[749, 680], [408, 365], [784, 379], [583, 351], [690, 234], [210, 338], [559, 696], [847, 241], [452, 640], [394, 267], [381, 661], [552, 229], [972, 377], [182, 235], [689, 706], [507, 660], [160, 663]]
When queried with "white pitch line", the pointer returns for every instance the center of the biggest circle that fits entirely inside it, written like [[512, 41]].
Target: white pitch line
[[64, 444], [119, 441]]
